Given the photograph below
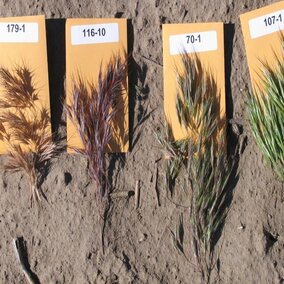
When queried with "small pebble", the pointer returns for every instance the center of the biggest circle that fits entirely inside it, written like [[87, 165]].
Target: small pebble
[[142, 237]]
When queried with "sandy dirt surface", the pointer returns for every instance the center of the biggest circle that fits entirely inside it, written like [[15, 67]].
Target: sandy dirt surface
[[62, 238]]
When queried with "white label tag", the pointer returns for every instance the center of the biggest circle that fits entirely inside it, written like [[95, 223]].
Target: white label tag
[[18, 32], [266, 24], [193, 42], [92, 34]]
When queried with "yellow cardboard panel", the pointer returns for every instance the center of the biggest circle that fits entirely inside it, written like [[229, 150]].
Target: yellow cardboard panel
[[90, 43], [207, 41], [261, 30], [23, 41]]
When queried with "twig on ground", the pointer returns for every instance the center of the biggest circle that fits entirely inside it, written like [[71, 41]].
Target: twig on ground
[[152, 61], [137, 195], [19, 251], [121, 194], [156, 174]]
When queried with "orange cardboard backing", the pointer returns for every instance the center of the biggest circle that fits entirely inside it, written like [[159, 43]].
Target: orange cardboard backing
[[32, 54], [86, 59], [213, 61], [261, 49]]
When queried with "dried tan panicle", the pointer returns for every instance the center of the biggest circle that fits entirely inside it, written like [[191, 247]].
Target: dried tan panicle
[[18, 86], [25, 128]]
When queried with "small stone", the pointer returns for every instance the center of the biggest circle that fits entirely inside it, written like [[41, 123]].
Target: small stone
[[142, 237], [241, 227]]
